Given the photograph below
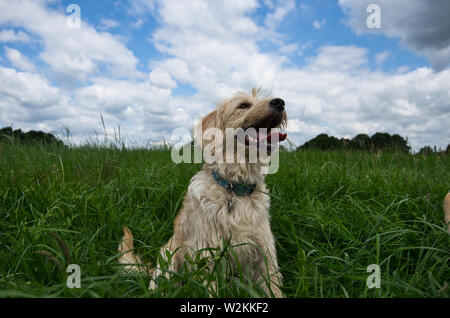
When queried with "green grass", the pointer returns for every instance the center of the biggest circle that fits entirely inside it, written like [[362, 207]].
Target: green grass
[[333, 214]]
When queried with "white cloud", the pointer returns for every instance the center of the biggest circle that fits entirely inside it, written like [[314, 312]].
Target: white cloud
[[39, 92], [291, 48], [29, 101], [342, 58], [72, 54], [142, 110], [211, 52], [141, 7], [269, 4], [318, 24], [108, 24], [138, 23], [421, 25], [381, 57], [345, 104], [161, 78], [9, 35], [282, 9], [306, 9], [18, 60]]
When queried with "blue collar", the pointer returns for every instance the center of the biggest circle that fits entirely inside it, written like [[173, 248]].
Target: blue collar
[[240, 189]]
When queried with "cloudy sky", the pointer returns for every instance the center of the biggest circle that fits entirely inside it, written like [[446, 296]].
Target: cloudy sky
[[153, 66]]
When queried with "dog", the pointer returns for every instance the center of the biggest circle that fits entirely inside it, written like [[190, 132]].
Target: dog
[[228, 201]]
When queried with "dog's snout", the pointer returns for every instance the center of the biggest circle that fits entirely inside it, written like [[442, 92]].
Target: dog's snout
[[277, 103]]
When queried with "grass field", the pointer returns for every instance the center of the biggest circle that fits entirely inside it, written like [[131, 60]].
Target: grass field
[[333, 214]]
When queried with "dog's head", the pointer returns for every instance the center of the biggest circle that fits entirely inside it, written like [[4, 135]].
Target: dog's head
[[254, 118]]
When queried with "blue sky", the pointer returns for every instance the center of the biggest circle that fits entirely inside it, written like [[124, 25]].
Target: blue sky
[[153, 66], [297, 28]]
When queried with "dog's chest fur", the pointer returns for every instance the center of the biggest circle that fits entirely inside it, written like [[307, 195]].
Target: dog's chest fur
[[207, 221]]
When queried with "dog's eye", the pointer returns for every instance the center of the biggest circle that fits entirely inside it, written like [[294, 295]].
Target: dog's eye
[[245, 105]]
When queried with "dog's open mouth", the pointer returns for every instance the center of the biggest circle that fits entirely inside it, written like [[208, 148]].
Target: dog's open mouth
[[263, 136], [264, 133]]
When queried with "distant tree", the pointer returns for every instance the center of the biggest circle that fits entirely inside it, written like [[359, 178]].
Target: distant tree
[[346, 143], [30, 136], [427, 150], [5, 133], [323, 142], [399, 143], [386, 141], [381, 140], [362, 141]]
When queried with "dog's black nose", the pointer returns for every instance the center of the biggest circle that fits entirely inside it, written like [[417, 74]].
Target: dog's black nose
[[277, 103]]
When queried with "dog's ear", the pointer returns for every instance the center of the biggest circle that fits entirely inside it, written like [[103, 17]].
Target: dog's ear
[[209, 121]]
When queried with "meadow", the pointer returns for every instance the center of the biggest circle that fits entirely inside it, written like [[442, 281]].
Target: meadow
[[333, 214]]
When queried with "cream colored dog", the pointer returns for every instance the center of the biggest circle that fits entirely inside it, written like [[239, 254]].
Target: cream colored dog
[[214, 211]]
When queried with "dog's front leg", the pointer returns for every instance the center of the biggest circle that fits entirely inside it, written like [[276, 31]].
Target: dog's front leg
[[269, 275], [275, 284], [173, 264], [271, 284]]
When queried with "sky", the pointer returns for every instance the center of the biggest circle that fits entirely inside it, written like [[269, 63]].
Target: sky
[[151, 67]]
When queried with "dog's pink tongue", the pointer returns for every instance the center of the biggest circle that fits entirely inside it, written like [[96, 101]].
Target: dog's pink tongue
[[281, 137]]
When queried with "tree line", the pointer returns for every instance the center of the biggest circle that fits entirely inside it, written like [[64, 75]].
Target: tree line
[[378, 141], [32, 136]]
